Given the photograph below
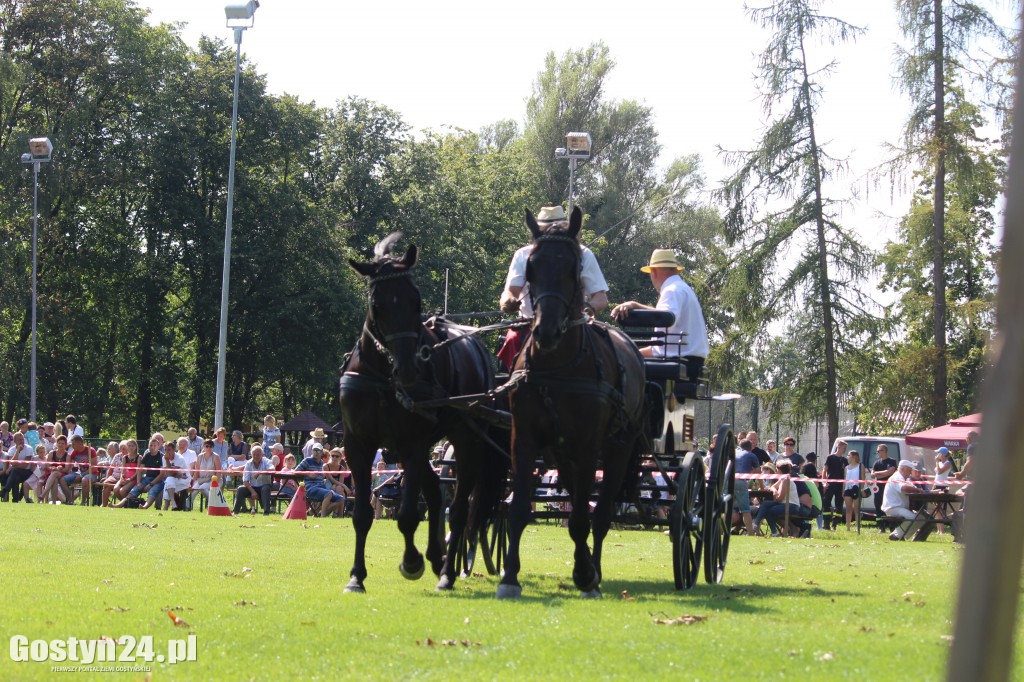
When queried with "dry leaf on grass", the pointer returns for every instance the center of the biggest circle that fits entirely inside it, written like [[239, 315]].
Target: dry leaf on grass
[[177, 621], [688, 619], [625, 595], [245, 603], [117, 609]]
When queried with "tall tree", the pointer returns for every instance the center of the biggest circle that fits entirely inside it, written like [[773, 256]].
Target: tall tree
[[779, 209], [941, 34]]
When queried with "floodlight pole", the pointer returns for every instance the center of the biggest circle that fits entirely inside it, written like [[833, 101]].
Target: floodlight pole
[[35, 277], [572, 171], [35, 158], [218, 416]]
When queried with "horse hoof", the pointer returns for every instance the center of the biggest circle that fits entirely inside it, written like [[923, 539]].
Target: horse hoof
[[591, 594], [444, 584], [509, 591], [411, 575], [355, 586]]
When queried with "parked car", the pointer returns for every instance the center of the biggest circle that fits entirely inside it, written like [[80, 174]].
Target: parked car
[[865, 446]]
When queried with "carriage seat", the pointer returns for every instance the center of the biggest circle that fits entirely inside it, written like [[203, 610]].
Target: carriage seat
[[648, 318], [675, 369]]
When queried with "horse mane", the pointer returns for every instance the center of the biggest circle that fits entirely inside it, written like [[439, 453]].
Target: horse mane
[[382, 249]]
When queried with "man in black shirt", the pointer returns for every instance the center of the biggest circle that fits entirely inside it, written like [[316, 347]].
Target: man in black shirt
[[835, 471], [762, 455]]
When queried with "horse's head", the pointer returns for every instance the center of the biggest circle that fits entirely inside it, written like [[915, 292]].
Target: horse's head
[[393, 314], [553, 273]]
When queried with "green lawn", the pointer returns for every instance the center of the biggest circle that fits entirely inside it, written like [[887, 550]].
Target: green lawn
[[264, 600]]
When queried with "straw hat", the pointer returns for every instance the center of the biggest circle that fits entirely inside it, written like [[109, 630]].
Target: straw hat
[[318, 432], [662, 258], [551, 214]]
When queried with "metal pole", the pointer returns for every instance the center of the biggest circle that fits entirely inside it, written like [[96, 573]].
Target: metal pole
[[218, 416], [572, 168], [446, 291], [35, 237]]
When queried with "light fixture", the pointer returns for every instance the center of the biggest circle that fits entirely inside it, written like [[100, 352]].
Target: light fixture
[[241, 14], [577, 147], [41, 148]]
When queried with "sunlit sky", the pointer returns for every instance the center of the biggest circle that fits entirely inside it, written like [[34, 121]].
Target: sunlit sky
[[467, 64]]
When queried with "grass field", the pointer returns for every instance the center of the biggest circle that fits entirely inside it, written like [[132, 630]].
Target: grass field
[[264, 601]]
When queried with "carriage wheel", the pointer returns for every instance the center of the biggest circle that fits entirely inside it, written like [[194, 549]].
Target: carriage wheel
[[497, 545], [718, 505], [685, 525]]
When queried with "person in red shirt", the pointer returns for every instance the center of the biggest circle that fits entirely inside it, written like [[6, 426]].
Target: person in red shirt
[[83, 461]]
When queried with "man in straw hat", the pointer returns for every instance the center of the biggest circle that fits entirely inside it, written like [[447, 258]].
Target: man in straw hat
[[317, 436], [688, 336], [516, 297]]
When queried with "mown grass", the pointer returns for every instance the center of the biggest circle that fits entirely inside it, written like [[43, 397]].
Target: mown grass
[[264, 599]]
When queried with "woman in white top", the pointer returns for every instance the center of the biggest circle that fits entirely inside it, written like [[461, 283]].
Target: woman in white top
[[943, 468], [852, 489], [271, 434]]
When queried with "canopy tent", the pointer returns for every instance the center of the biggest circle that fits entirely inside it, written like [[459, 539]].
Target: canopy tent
[[296, 430], [952, 435]]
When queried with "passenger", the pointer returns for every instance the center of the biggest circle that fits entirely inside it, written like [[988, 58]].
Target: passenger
[[515, 296], [687, 338]]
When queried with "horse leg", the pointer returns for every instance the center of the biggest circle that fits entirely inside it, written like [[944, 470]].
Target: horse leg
[[408, 517], [435, 519], [518, 516], [603, 512], [457, 516], [362, 513], [583, 573]]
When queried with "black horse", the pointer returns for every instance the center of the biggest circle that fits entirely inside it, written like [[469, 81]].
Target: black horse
[[398, 360], [578, 399]]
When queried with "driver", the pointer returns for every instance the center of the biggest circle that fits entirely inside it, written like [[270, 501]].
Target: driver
[[516, 296], [689, 332]]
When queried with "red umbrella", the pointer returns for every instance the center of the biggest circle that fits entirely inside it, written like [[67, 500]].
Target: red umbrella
[[952, 435]]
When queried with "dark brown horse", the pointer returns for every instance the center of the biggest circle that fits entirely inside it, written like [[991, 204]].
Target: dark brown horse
[[399, 360], [578, 401]]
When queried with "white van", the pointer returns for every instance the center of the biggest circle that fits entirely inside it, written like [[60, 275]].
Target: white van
[[865, 446]]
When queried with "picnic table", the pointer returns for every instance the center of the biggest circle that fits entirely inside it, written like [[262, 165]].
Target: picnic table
[[945, 505]]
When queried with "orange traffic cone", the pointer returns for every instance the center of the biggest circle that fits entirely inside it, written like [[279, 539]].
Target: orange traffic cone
[[297, 507], [218, 506]]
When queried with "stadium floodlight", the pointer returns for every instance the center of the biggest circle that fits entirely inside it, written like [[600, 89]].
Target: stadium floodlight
[[577, 147], [40, 150]]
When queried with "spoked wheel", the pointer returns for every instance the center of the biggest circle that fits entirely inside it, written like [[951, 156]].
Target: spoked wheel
[[686, 522], [466, 553], [718, 505]]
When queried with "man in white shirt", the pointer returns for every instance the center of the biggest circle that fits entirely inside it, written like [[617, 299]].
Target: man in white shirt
[[255, 485], [688, 336], [179, 480], [73, 428], [516, 295], [896, 499]]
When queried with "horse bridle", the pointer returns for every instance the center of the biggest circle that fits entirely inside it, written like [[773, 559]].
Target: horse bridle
[[424, 351], [566, 303]]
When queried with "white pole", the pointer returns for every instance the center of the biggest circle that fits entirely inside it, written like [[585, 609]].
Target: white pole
[[35, 277], [218, 416]]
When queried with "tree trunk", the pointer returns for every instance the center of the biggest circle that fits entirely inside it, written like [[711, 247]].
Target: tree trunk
[[940, 409], [824, 293]]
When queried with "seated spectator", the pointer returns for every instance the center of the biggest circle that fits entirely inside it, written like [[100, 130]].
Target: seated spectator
[[255, 483], [784, 494], [896, 499], [6, 436], [185, 452], [386, 486], [58, 466], [195, 443], [287, 487], [316, 487], [238, 450], [149, 480], [203, 471], [32, 438], [115, 463], [178, 479], [129, 451], [277, 456], [83, 467], [17, 468], [336, 472], [34, 483]]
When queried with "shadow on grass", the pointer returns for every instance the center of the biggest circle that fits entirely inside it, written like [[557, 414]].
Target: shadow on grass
[[738, 597]]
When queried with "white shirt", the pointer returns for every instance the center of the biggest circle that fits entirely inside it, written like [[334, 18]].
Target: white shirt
[[688, 335], [894, 496], [77, 431], [179, 463], [591, 277]]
